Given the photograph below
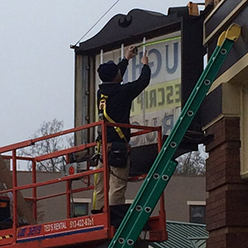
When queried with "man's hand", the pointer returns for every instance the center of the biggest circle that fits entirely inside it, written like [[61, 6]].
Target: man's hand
[[144, 59], [131, 52]]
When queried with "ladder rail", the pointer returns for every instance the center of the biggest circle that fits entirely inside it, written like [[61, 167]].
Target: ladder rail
[[163, 168]]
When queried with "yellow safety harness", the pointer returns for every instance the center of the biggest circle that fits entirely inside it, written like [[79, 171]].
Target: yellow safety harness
[[98, 145], [102, 108]]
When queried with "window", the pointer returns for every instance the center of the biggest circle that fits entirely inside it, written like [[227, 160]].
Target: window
[[80, 207], [197, 212]]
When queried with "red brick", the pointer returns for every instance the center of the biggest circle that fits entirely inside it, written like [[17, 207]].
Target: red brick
[[239, 240], [225, 240], [223, 131], [237, 218], [227, 204]]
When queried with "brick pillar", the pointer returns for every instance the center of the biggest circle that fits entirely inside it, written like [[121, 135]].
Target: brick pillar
[[227, 204]]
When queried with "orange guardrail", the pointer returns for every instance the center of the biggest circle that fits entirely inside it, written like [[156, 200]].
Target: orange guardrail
[[81, 229]]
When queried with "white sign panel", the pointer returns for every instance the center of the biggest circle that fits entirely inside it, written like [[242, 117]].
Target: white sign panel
[[160, 103]]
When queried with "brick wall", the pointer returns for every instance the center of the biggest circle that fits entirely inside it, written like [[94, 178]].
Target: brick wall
[[227, 204]]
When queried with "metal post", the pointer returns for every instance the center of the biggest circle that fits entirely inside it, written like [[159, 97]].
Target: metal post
[[14, 182], [34, 189], [105, 173]]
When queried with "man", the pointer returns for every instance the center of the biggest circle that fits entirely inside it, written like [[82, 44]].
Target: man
[[118, 101]]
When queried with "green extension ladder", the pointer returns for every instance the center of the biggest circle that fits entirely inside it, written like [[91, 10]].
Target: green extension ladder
[[163, 167]]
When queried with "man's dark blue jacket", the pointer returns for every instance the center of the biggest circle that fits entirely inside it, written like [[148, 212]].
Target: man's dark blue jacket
[[120, 97]]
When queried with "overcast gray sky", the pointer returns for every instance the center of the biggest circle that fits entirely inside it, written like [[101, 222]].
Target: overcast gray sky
[[37, 64]]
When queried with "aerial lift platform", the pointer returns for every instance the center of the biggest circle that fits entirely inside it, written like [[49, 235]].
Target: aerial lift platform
[[88, 231], [94, 230]]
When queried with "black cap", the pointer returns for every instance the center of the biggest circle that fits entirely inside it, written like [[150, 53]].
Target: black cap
[[107, 71]]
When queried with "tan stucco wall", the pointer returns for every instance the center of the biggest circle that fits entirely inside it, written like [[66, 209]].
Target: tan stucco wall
[[179, 191]]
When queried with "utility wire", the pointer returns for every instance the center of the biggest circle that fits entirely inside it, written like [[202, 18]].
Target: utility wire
[[73, 46]]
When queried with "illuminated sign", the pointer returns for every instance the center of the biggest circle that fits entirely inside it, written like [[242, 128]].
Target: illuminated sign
[[160, 103]]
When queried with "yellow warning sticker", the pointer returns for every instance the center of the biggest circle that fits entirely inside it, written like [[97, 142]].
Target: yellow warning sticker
[[6, 237]]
